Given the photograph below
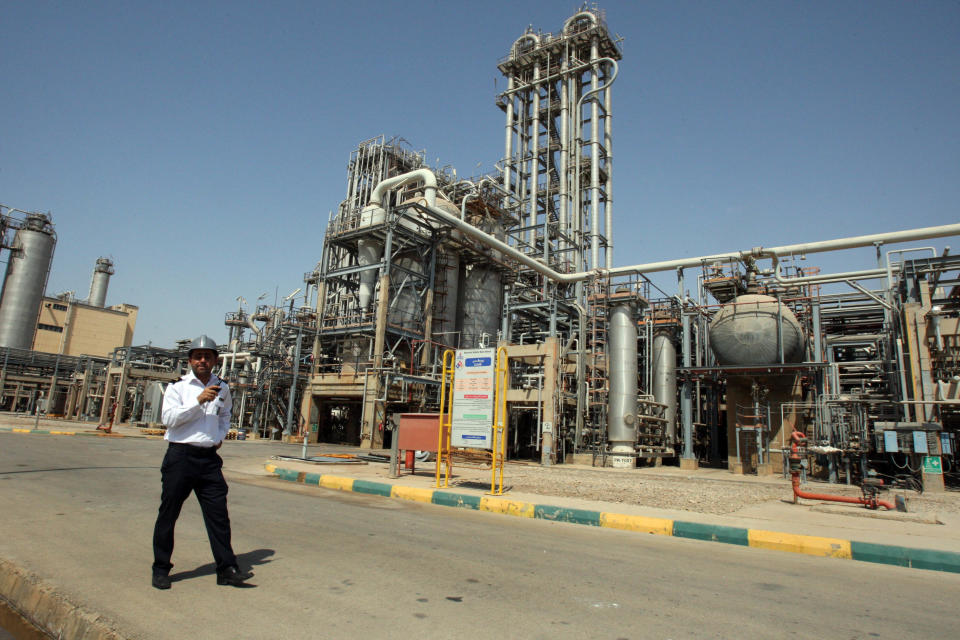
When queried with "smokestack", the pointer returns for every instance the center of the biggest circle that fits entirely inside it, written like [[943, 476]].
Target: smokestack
[[98, 284]]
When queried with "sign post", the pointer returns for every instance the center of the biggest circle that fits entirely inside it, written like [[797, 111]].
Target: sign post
[[472, 410]]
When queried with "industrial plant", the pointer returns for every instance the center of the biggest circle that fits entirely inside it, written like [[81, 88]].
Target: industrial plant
[[604, 368]]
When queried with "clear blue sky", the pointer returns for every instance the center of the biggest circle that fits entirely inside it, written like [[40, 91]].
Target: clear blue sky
[[201, 145]]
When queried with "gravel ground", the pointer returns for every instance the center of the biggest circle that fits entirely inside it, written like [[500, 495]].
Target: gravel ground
[[675, 491]]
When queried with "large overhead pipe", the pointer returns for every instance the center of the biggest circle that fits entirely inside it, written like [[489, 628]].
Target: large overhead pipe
[[425, 175], [668, 265], [370, 250], [589, 15], [907, 235]]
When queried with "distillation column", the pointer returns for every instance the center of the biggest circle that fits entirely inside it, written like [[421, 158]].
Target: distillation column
[[557, 162]]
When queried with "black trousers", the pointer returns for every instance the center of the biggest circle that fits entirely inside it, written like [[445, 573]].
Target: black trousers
[[186, 469]]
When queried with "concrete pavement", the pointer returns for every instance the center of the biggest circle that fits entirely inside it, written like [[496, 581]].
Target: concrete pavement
[[919, 540], [847, 532], [898, 539]]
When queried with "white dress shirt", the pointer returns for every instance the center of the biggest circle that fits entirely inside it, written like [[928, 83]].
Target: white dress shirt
[[187, 421]]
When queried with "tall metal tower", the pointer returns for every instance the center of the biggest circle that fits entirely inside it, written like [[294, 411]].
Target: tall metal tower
[[558, 164]]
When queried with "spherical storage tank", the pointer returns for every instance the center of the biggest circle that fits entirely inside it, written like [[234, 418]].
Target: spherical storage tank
[[745, 332], [25, 281]]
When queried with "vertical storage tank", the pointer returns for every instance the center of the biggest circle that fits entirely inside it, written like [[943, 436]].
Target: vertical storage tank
[[622, 398], [99, 282], [25, 281], [482, 292], [665, 379]]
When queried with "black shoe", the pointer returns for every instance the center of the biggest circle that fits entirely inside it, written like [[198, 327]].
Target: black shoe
[[233, 577], [160, 581]]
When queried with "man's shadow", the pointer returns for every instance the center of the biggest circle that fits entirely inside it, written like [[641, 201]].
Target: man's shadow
[[251, 559]]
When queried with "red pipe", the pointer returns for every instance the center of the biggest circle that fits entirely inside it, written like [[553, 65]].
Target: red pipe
[[797, 438]]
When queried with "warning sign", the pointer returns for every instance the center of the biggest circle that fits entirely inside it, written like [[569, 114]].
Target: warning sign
[[472, 410]]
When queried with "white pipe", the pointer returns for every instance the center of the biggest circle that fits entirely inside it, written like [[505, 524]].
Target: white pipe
[[865, 241], [508, 153], [252, 326], [578, 198], [577, 16], [907, 235], [424, 175], [564, 137], [534, 172], [608, 148], [526, 36], [594, 158]]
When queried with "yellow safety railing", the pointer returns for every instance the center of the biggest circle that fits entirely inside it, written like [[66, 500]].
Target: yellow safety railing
[[499, 451], [446, 415]]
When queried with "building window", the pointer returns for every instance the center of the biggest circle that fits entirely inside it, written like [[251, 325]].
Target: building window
[[50, 327], [59, 307]]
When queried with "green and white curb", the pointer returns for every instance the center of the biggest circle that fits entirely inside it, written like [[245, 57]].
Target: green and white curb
[[756, 538]]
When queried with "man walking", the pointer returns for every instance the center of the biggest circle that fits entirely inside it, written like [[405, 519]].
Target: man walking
[[196, 413]]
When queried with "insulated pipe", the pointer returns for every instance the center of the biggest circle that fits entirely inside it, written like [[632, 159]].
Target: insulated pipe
[[583, 14], [527, 36], [578, 198], [595, 159], [564, 135], [252, 326], [608, 205], [425, 175], [666, 265], [508, 153], [534, 170], [369, 252], [907, 235]]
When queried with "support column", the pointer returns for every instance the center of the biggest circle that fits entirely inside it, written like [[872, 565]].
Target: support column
[[548, 453], [105, 403], [71, 401], [369, 434], [306, 410], [121, 394], [3, 380]]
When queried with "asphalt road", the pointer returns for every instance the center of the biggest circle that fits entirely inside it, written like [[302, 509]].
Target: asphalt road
[[79, 512]]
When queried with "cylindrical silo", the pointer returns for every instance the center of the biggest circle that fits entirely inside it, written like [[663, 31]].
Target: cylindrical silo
[[622, 373], [25, 281], [665, 379], [755, 330], [369, 252], [482, 293], [405, 303], [99, 282]]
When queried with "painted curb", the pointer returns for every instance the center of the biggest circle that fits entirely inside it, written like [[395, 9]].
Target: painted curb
[[57, 432], [928, 559]]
